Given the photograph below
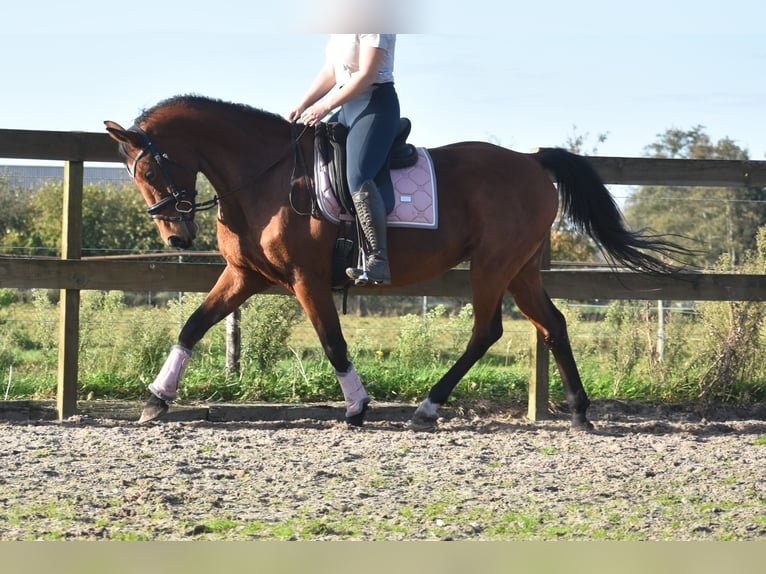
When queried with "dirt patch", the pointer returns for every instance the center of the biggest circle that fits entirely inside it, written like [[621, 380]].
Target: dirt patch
[[647, 472]]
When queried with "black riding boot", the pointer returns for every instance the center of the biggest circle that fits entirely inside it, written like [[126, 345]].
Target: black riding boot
[[371, 214]]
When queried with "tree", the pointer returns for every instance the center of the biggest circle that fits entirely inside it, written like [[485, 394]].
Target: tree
[[15, 214], [114, 221], [713, 220]]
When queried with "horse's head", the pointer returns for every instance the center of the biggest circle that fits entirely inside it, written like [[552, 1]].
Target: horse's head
[[166, 184]]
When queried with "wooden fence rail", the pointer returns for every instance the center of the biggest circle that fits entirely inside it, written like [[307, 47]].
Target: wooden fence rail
[[70, 274], [29, 273]]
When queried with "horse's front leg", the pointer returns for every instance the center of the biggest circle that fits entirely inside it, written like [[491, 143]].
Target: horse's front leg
[[316, 300], [231, 290]]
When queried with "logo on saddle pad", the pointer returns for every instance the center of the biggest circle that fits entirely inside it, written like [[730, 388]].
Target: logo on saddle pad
[[414, 194]]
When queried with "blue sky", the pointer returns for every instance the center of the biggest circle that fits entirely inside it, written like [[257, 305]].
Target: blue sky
[[520, 75]]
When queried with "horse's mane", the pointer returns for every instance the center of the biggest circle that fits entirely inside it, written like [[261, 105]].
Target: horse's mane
[[197, 101]]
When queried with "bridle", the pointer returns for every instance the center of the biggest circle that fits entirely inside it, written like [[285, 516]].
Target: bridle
[[185, 200]]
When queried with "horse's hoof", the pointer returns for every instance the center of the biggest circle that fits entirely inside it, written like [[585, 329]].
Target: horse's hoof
[[581, 425], [423, 423], [357, 420], [154, 409]]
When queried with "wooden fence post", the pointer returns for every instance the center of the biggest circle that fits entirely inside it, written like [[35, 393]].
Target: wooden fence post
[[233, 342], [537, 398], [660, 330], [69, 310]]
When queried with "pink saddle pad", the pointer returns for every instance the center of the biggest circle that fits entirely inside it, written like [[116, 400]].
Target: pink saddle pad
[[414, 193]]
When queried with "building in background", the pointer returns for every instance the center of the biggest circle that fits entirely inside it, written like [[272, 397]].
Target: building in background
[[34, 176]]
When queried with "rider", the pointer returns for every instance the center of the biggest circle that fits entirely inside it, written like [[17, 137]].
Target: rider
[[362, 65]]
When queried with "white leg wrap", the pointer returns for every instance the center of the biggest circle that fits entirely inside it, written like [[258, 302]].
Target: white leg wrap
[[428, 409], [353, 391], [165, 386]]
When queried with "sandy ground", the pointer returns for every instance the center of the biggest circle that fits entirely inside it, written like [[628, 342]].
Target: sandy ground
[[647, 472]]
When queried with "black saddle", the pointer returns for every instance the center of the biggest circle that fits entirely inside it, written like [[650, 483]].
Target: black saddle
[[330, 142], [403, 154]]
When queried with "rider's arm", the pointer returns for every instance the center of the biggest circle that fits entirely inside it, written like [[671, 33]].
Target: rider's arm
[[370, 60], [322, 84]]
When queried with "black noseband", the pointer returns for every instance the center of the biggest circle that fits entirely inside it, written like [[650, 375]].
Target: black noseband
[[184, 199]]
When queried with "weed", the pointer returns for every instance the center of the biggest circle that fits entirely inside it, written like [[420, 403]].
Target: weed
[[734, 336], [45, 326], [220, 525], [253, 529], [515, 525], [416, 343], [267, 321]]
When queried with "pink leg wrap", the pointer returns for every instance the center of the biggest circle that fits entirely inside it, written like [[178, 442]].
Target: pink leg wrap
[[353, 391], [165, 386]]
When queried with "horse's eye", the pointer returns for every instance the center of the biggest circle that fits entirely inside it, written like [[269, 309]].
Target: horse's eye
[[149, 175]]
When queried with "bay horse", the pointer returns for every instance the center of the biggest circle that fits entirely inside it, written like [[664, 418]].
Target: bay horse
[[495, 209]]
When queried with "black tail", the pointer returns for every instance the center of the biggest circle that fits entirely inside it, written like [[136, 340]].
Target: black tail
[[590, 206]]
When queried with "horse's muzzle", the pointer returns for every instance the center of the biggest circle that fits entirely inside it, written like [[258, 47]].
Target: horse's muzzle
[[179, 242], [184, 240]]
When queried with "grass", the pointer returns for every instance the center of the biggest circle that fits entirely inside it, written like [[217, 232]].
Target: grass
[[398, 358], [444, 519]]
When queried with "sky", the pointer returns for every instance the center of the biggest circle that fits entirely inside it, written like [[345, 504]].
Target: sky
[[523, 75]]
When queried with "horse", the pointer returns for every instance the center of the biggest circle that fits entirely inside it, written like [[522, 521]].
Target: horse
[[495, 209]]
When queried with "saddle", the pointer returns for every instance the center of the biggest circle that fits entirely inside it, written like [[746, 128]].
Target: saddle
[[330, 144]]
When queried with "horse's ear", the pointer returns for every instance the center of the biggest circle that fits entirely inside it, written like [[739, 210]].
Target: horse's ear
[[117, 132]]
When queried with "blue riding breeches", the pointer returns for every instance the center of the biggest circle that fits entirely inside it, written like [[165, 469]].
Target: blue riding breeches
[[372, 119]]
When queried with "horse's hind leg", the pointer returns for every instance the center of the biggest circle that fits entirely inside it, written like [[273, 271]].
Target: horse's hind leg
[[534, 303], [487, 329]]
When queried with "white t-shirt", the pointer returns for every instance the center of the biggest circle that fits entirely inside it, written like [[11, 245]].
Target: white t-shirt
[[343, 51]]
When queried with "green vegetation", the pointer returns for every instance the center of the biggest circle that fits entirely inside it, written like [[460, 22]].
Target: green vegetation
[[714, 221], [706, 355], [113, 220]]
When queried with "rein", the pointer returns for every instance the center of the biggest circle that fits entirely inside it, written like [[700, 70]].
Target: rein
[[185, 200]]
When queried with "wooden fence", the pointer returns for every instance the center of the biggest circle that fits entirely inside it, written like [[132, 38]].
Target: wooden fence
[[71, 274]]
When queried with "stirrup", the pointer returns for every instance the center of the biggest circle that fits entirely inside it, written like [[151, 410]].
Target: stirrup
[[361, 277], [358, 275]]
